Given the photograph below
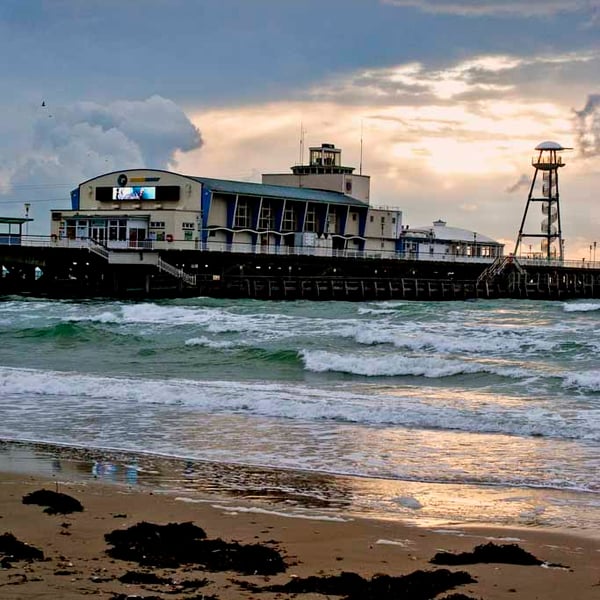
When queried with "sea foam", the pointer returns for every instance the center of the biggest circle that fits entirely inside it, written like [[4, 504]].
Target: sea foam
[[581, 306], [396, 364]]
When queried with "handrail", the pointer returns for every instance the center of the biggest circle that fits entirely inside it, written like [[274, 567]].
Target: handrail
[[175, 272], [498, 266], [98, 248], [249, 248]]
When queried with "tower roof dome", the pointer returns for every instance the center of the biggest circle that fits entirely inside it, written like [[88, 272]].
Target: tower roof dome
[[550, 146]]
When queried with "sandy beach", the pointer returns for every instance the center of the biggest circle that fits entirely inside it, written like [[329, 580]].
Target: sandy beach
[[76, 562]]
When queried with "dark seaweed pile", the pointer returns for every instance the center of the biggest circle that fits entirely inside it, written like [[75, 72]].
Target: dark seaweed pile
[[56, 502], [418, 585], [510, 554], [184, 543], [12, 550]]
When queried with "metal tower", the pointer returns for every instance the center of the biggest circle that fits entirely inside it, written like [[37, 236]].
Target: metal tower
[[548, 160]]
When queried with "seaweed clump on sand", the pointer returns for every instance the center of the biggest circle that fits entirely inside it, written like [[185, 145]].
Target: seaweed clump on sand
[[175, 544], [56, 502], [13, 550], [511, 554], [418, 585]]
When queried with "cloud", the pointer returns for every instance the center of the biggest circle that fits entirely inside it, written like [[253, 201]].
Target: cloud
[[438, 141], [588, 127], [153, 128], [504, 8], [478, 78], [522, 182], [69, 144]]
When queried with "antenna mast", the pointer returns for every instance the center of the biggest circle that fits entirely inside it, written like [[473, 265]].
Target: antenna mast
[[361, 147], [301, 143]]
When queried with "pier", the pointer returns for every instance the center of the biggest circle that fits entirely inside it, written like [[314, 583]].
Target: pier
[[86, 269]]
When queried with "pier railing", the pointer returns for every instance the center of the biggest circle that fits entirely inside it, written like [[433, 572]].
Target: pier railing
[[278, 250], [175, 272]]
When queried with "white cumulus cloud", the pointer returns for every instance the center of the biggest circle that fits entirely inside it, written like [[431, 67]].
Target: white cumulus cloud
[[60, 146]]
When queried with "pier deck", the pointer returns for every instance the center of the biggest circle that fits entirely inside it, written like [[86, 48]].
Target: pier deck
[[90, 271]]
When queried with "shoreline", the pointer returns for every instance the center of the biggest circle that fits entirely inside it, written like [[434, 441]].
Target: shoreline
[[299, 491], [315, 544]]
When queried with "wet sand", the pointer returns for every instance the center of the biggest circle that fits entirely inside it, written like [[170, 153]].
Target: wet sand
[[318, 540]]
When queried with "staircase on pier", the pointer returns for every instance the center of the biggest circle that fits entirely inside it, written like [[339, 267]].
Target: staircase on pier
[[141, 257], [498, 267]]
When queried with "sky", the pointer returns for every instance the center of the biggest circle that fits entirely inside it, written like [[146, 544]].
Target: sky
[[450, 97]]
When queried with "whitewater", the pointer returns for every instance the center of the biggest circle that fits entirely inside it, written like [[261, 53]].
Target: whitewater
[[502, 396]]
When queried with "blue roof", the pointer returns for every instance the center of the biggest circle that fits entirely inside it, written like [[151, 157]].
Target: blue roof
[[278, 191]]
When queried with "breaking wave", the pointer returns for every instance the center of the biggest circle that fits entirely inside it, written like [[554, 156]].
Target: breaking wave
[[389, 365], [49, 395], [581, 306]]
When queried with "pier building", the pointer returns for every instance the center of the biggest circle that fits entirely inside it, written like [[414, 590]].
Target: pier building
[[319, 208], [440, 241], [11, 229]]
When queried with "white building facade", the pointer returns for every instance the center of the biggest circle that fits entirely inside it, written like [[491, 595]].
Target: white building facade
[[322, 208]]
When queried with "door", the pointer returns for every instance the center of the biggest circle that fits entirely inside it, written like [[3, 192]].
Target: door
[[136, 237], [98, 233]]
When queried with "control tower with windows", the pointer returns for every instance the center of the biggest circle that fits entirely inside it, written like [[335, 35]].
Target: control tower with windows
[[324, 171], [545, 190]]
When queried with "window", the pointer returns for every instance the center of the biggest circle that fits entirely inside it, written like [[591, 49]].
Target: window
[[354, 215], [371, 218], [310, 224], [157, 224], [394, 220], [117, 230], [289, 219], [82, 229], [242, 214], [187, 226], [383, 220], [265, 220]]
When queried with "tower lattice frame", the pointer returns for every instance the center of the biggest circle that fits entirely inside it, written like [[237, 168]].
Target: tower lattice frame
[[548, 161]]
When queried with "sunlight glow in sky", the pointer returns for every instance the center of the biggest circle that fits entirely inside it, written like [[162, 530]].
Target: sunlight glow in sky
[[451, 97]]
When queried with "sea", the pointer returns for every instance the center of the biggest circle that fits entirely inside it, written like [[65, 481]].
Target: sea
[[427, 412]]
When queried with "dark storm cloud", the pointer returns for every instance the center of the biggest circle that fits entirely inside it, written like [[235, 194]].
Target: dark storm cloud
[[522, 182], [236, 51], [588, 127]]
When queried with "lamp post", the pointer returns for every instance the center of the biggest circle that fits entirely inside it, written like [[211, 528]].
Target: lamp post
[[27, 207]]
